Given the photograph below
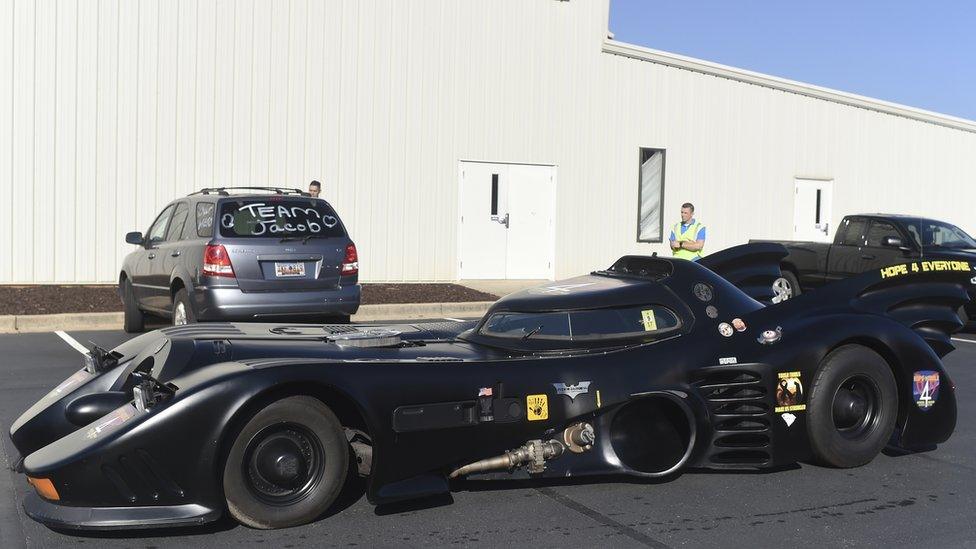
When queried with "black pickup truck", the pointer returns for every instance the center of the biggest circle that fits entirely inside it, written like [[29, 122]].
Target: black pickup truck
[[874, 241]]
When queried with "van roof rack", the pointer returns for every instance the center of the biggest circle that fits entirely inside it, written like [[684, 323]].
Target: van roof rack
[[223, 190]]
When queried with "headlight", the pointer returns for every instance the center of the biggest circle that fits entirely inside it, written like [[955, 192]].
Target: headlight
[[140, 398], [148, 391], [99, 360], [91, 366]]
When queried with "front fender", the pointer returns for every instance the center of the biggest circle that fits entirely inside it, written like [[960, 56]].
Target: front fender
[[165, 456]]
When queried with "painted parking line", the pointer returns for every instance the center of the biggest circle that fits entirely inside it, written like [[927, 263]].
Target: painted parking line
[[964, 339], [73, 342]]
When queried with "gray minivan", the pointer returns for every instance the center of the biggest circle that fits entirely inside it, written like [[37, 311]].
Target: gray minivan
[[220, 254]]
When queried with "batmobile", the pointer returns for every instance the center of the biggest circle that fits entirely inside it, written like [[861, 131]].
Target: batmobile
[[648, 368]]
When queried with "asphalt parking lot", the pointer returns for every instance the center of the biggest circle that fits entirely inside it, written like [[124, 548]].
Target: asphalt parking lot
[[917, 499]]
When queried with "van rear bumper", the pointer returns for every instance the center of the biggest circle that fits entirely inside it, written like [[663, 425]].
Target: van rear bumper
[[233, 304]]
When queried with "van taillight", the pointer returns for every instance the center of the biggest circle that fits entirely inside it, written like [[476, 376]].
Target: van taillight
[[216, 262], [350, 265]]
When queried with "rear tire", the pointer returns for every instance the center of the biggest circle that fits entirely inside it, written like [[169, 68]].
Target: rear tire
[[182, 310], [133, 320], [852, 407], [287, 465]]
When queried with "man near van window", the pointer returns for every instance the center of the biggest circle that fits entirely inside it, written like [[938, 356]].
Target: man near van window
[[314, 188], [688, 235]]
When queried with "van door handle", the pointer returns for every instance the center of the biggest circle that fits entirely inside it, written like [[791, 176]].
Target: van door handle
[[175, 254], [152, 256], [867, 256]]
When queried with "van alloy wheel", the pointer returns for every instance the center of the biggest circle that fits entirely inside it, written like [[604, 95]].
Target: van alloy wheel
[[179, 315]]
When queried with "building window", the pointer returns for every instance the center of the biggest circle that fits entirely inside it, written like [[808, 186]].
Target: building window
[[650, 224]]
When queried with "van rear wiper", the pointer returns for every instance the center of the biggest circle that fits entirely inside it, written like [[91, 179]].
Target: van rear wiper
[[304, 239], [311, 236]]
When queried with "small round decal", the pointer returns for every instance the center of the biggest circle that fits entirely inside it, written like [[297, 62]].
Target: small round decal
[[768, 337], [739, 325], [703, 292], [726, 329], [711, 311]]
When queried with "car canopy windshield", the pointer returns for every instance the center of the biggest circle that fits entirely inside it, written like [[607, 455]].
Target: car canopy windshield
[[583, 325], [277, 218], [928, 232]]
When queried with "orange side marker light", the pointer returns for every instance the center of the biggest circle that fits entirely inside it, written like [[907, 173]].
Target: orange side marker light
[[45, 488]]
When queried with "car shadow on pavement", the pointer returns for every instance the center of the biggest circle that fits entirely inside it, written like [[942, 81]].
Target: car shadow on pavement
[[222, 524], [352, 492], [895, 452]]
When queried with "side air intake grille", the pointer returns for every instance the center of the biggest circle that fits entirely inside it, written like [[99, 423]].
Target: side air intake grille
[[138, 477], [739, 403]]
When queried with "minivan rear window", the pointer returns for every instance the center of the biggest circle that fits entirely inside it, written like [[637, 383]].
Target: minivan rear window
[[277, 218]]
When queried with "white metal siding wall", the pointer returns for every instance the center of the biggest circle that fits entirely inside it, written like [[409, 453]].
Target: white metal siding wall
[[734, 150], [109, 109]]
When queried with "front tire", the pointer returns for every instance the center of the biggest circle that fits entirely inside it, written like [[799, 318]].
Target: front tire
[[852, 407], [287, 465], [133, 320]]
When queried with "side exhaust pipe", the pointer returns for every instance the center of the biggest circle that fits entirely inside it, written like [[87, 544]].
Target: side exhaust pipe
[[533, 454]]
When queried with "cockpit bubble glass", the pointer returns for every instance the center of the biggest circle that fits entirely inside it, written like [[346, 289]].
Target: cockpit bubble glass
[[588, 325]]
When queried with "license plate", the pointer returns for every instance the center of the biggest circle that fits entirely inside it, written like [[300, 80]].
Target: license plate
[[285, 270]]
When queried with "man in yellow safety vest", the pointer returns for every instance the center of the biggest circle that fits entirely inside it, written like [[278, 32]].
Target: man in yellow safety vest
[[688, 235]]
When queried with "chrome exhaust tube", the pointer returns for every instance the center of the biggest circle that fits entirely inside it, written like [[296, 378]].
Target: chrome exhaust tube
[[534, 453]]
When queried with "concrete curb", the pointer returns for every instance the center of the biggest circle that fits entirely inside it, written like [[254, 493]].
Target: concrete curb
[[11, 324]]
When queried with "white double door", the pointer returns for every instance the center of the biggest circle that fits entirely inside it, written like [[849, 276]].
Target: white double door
[[812, 209], [506, 221]]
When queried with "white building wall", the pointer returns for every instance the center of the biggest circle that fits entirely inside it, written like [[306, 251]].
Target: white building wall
[[109, 109]]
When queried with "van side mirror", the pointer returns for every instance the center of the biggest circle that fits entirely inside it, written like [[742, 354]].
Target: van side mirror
[[135, 237]]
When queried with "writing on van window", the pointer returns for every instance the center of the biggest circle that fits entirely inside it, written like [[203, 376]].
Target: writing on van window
[[272, 219], [204, 216]]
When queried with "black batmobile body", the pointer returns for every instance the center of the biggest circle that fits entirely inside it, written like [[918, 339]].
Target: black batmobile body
[[648, 368]]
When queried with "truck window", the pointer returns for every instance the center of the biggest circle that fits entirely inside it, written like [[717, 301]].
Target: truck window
[[854, 230], [879, 230]]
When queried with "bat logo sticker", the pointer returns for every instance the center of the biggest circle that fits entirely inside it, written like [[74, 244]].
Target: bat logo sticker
[[572, 391]]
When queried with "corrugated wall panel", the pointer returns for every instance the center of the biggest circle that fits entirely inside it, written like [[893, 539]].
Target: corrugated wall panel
[[22, 150], [8, 41], [110, 109]]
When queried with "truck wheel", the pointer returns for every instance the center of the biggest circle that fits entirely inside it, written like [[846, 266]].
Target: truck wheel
[[133, 320], [786, 287], [182, 310], [852, 407], [287, 465]]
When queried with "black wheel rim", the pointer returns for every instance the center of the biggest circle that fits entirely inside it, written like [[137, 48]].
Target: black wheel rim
[[283, 463], [856, 407]]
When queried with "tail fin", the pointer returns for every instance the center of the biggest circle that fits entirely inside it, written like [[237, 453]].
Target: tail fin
[[750, 267], [923, 295]]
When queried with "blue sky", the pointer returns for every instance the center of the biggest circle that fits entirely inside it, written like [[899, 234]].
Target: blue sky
[[921, 54]]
